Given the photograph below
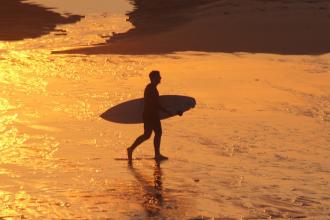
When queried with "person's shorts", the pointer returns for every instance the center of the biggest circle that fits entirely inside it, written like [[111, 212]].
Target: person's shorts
[[152, 124]]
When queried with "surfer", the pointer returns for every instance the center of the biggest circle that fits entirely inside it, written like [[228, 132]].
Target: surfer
[[151, 118]]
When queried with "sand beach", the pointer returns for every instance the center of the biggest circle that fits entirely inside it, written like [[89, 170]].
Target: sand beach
[[256, 145]]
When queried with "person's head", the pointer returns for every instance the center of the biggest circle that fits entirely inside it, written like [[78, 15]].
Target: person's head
[[155, 77]]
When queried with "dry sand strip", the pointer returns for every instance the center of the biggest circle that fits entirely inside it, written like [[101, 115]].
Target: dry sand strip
[[256, 26], [20, 20]]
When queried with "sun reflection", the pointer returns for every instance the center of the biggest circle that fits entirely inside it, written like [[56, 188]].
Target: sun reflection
[[19, 72], [45, 100], [18, 205], [7, 206], [42, 94], [10, 140]]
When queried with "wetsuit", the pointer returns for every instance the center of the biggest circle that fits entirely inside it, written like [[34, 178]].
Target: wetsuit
[[150, 112]]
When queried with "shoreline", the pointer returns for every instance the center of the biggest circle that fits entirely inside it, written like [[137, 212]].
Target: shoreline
[[20, 20], [256, 145], [280, 27]]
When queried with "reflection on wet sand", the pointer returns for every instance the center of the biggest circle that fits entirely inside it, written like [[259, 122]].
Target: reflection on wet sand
[[86, 6], [152, 191], [255, 146], [156, 200]]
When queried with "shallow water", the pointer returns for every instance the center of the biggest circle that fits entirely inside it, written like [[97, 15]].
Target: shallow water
[[237, 155], [86, 6]]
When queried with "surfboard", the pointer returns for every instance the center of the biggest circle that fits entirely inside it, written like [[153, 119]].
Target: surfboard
[[130, 112]]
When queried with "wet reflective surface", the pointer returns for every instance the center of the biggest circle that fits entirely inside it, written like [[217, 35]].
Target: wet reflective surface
[[86, 6], [50, 101], [255, 147]]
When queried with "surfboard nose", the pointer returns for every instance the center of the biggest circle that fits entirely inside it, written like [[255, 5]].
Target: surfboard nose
[[193, 104]]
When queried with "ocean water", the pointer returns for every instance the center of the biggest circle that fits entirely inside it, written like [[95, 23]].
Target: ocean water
[[86, 6], [237, 155], [59, 160]]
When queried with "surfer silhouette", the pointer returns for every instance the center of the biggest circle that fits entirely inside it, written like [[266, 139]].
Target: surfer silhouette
[[151, 118]]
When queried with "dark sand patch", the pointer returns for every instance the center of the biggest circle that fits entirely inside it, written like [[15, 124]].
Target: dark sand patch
[[281, 27], [20, 20]]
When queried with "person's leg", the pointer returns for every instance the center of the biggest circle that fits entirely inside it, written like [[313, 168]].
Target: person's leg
[[157, 139], [139, 140]]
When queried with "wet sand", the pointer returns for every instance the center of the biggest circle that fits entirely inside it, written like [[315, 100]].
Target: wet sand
[[290, 27], [256, 146], [86, 6]]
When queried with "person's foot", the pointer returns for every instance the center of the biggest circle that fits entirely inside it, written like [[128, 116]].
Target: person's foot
[[161, 157], [129, 155]]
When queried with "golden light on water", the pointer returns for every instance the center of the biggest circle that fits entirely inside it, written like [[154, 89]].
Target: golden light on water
[[255, 146], [44, 97], [57, 155]]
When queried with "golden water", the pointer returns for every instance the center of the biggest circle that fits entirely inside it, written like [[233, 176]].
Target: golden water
[[255, 147]]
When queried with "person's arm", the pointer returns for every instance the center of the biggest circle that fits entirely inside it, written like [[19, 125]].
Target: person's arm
[[158, 105], [162, 108]]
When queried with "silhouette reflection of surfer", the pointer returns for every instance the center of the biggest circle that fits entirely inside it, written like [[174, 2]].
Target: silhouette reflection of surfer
[[151, 118], [152, 196]]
